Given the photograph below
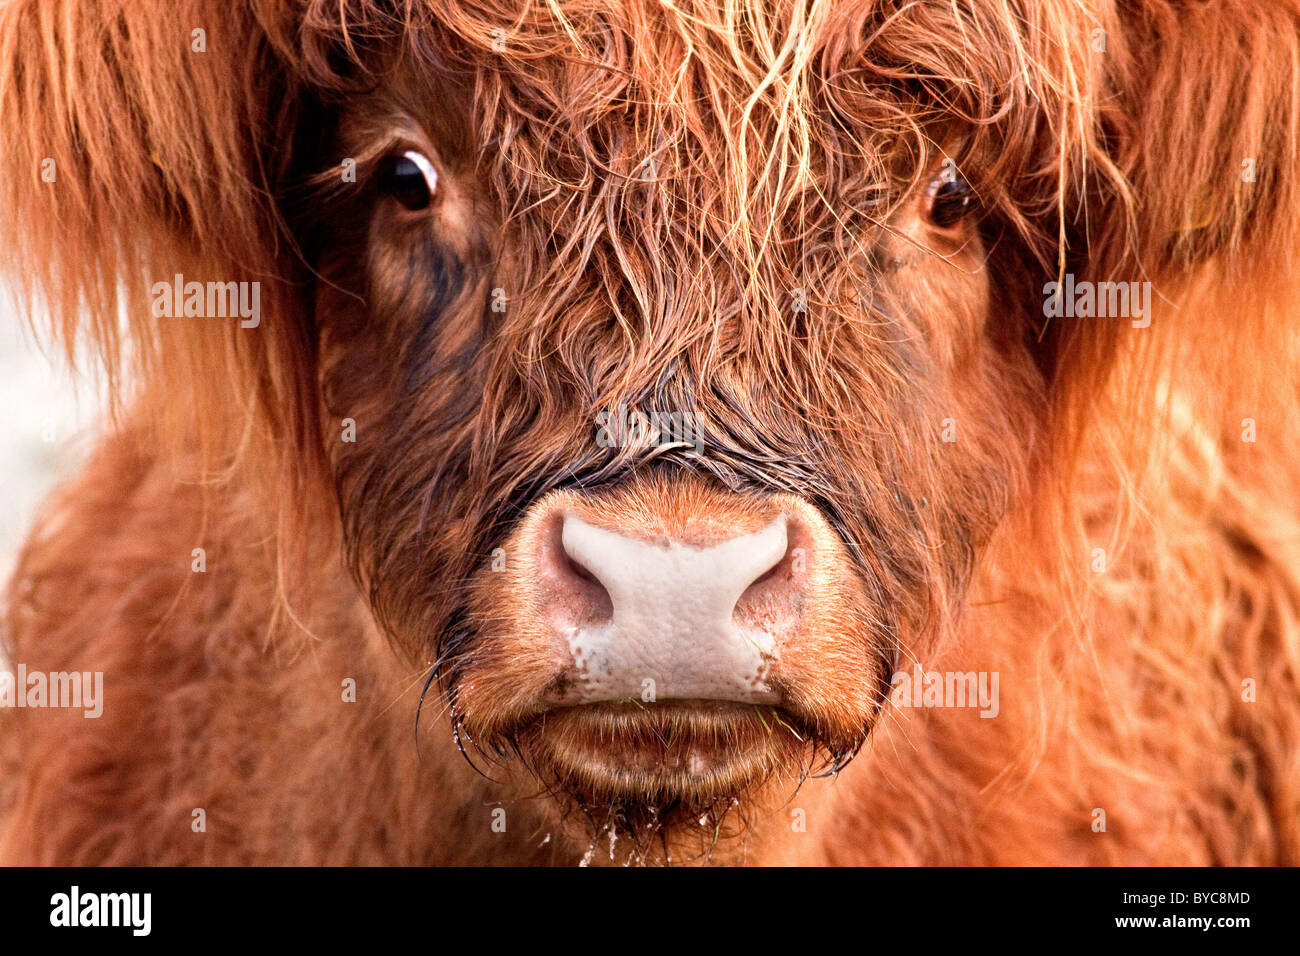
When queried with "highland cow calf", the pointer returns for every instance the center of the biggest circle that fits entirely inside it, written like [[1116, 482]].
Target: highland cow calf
[[663, 435]]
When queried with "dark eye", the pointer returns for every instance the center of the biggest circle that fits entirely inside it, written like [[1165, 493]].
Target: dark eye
[[410, 179], [950, 199]]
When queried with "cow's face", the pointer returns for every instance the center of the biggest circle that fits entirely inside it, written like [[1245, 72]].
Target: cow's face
[[688, 377]]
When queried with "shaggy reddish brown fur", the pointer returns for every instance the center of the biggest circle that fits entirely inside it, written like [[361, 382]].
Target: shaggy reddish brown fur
[[652, 185]]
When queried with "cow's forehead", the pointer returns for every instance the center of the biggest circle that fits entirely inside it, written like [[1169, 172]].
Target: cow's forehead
[[835, 102], [881, 64], [750, 138]]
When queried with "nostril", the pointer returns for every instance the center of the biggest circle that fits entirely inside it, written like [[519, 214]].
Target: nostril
[[782, 569], [767, 578], [579, 599], [576, 567], [774, 600]]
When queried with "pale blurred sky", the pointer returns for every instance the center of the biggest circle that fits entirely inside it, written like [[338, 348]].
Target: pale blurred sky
[[49, 427]]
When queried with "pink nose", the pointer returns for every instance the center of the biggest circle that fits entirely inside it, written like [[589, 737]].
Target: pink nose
[[719, 604], [654, 618]]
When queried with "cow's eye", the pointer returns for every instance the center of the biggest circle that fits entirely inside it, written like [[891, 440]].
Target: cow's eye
[[950, 200], [409, 178]]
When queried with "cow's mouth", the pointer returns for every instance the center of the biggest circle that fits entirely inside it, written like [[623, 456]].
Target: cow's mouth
[[643, 768], [678, 749]]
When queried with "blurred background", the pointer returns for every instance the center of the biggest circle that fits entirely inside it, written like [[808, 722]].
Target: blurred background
[[49, 416]]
